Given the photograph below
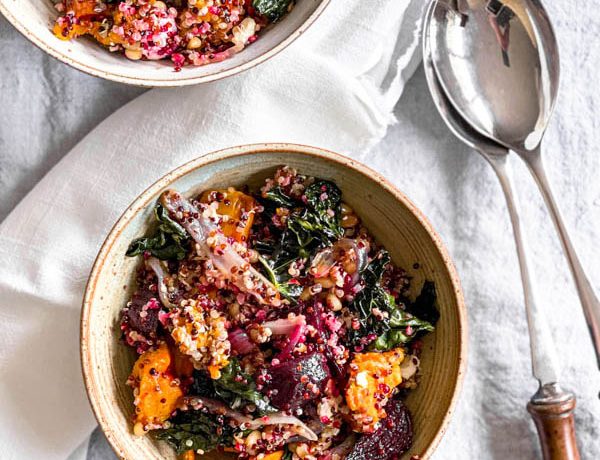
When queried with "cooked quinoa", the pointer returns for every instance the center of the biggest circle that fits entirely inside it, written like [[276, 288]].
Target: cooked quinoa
[[271, 325]]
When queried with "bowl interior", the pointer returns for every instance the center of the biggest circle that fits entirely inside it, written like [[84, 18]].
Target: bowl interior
[[35, 18], [390, 217]]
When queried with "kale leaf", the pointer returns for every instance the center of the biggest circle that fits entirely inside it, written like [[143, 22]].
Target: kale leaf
[[323, 196], [231, 389], [281, 280], [371, 297], [272, 9], [278, 196], [310, 224], [170, 241], [203, 385], [391, 331], [395, 336], [318, 224], [193, 430]]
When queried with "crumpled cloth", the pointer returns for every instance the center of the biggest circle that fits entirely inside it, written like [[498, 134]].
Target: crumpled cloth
[[335, 87]]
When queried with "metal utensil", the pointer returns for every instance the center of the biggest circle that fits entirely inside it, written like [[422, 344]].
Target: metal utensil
[[498, 62], [551, 406]]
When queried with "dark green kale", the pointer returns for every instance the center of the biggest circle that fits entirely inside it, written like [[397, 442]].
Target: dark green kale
[[280, 278], [272, 9], [233, 387], [169, 242], [399, 322], [287, 455], [193, 430], [278, 196], [318, 224], [203, 385], [310, 224], [391, 329]]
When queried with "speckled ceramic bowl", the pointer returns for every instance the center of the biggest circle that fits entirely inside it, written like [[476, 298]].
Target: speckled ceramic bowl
[[390, 216], [35, 18]]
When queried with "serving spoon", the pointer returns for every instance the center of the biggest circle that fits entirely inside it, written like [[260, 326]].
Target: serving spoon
[[551, 407], [498, 63]]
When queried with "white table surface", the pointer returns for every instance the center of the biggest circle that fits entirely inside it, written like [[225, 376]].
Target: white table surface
[[47, 107]]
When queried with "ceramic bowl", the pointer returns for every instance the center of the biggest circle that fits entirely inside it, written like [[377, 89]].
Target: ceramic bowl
[[391, 217], [35, 18]]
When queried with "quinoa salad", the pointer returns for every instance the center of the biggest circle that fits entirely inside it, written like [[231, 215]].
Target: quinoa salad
[[269, 325], [188, 32]]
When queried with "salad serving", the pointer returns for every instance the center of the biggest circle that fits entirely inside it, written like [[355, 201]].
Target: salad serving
[[272, 326], [188, 32]]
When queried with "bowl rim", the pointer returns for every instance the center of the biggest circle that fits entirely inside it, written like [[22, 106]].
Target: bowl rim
[[97, 71], [146, 197]]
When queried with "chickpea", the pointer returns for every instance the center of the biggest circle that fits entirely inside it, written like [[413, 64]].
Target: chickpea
[[350, 267], [349, 221], [253, 438], [306, 294], [345, 209], [134, 55], [326, 283], [194, 43], [138, 429], [333, 302]]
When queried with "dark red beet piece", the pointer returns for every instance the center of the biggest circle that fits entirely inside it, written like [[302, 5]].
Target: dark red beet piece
[[146, 324], [393, 437], [313, 317], [292, 382]]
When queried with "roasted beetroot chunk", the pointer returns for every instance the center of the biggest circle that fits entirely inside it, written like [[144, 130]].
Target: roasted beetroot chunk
[[140, 318], [391, 440], [297, 381], [141, 315]]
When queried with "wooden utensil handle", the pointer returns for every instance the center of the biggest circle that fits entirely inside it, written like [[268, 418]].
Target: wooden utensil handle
[[552, 411]]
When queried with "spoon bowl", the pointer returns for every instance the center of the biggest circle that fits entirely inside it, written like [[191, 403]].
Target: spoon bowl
[[498, 63], [454, 120]]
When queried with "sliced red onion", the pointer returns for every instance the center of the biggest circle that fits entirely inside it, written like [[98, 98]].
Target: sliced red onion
[[361, 249], [327, 258], [233, 266], [276, 418], [280, 418], [158, 269], [240, 342], [217, 407], [315, 426], [362, 254], [285, 326], [322, 263], [340, 451], [294, 338]]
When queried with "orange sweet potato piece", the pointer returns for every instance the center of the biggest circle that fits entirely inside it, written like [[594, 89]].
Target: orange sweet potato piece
[[188, 455], [274, 455], [373, 377], [238, 208], [89, 21], [81, 7], [158, 391]]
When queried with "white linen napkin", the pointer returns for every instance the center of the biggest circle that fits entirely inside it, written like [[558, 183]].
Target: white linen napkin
[[335, 88]]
